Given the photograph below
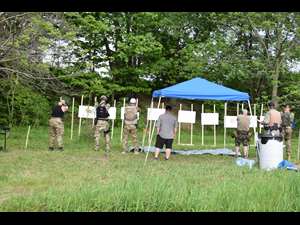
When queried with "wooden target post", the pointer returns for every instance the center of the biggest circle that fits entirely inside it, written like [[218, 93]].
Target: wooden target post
[[80, 119], [192, 109], [179, 127], [225, 114], [202, 127], [152, 132], [254, 130], [215, 130], [150, 125], [122, 126], [191, 129], [95, 105], [147, 124], [298, 150], [261, 114], [27, 137], [254, 137], [113, 123], [72, 120]]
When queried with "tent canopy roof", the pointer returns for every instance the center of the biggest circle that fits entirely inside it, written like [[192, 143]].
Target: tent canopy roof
[[201, 89]]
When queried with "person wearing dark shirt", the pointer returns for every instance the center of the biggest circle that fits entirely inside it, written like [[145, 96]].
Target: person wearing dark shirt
[[56, 126], [102, 124]]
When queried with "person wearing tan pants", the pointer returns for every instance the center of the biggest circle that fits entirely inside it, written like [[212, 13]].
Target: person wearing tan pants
[[56, 126]]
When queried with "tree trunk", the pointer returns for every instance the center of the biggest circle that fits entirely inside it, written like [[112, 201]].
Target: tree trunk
[[275, 77]]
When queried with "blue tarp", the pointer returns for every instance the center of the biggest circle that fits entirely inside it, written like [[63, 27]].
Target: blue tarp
[[223, 151], [201, 89]]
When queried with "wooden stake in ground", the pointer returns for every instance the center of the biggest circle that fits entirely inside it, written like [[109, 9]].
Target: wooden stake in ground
[[202, 127], [27, 137], [179, 127], [152, 133], [254, 130], [225, 114], [113, 123], [72, 120], [147, 124], [121, 137], [254, 139], [215, 132], [192, 109], [150, 125], [80, 119], [298, 151], [95, 105]]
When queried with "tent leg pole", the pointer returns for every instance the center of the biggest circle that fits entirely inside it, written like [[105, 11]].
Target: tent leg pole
[[152, 134]]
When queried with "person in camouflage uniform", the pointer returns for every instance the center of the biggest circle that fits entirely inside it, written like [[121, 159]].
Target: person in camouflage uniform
[[242, 133], [272, 119], [56, 126], [102, 124], [130, 126], [287, 119]]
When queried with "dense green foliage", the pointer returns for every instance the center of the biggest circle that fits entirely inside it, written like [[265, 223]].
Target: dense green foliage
[[132, 53]]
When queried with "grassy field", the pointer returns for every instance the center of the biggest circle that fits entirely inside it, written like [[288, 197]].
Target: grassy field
[[80, 179]]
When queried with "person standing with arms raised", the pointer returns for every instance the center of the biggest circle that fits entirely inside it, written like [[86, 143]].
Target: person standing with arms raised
[[56, 126]]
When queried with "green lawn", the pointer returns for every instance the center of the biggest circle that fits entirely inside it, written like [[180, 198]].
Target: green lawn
[[80, 179]]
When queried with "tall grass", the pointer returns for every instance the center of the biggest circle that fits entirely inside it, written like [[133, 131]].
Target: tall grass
[[80, 179]]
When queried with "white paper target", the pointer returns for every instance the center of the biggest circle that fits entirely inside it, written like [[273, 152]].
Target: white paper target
[[230, 121], [112, 113], [261, 118], [154, 113], [253, 121], [209, 118], [185, 116], [123, 111], [88, 112]]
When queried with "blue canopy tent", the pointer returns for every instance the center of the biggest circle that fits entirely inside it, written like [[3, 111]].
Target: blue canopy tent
[[201, 89]]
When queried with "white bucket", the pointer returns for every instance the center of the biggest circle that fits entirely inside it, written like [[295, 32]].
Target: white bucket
[[270, 154]]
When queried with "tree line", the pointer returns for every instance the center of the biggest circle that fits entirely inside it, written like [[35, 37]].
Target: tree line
[[46, 55]]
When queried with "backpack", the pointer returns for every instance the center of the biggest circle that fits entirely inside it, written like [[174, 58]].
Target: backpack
[[102, 112], [130, 114], [286, 119]]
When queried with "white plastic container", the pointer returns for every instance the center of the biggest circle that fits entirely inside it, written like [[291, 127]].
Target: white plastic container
[[270, 154]]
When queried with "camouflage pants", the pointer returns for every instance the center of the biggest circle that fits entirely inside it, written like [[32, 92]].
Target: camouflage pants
[[56, 132], [132, 131], [102, 126], [287, 134], [242, 137]]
